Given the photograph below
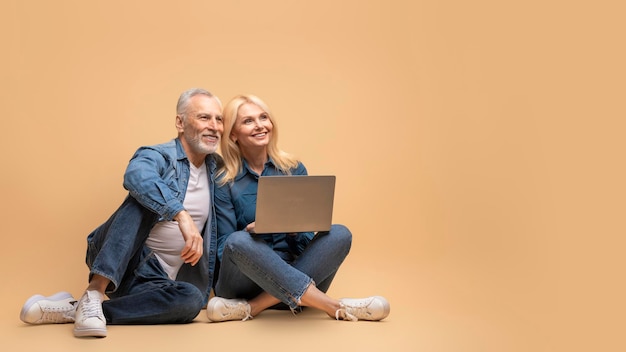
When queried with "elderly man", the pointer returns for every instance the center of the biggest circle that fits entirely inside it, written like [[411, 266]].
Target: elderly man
[[155, 256]]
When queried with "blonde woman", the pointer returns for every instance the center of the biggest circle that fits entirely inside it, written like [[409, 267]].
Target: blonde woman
[[271, 270]]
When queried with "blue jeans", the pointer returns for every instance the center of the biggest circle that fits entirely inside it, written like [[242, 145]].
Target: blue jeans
[[140, 291], [249, 266]]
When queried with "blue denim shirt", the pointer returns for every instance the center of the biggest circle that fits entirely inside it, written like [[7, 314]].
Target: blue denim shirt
[[235, 206], [157, 178]]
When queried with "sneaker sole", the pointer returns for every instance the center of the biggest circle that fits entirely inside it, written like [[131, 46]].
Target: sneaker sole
[[90, 332], [36, 298]]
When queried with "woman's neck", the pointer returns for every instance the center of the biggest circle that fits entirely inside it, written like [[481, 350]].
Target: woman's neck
[[256, 160]]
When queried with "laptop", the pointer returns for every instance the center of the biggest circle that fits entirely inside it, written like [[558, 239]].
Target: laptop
[[294, 204]]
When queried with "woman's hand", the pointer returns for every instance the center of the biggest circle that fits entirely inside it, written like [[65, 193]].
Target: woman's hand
[[250, 227]]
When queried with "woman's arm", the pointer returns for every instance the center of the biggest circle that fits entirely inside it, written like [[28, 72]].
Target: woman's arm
[[225, 216]]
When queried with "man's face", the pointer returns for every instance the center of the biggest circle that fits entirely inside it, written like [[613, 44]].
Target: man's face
[[202, 126]]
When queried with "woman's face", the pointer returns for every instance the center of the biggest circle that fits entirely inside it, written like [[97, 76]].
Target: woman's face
[[253, 127]]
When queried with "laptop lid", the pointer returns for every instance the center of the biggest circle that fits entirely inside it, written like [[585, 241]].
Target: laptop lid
[[294, 204]]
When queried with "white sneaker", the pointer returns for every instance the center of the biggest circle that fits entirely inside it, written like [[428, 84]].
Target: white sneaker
[[89, 317], [222, 309], [56, 309], [370, 308]]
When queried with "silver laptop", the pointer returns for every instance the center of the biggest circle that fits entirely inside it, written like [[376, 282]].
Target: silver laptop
[[294, 204]]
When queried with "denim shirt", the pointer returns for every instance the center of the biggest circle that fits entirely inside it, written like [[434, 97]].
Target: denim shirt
[[235, 206], [157, 178]]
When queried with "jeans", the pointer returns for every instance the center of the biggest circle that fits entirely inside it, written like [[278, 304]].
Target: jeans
[[249, 266], [140, 291]]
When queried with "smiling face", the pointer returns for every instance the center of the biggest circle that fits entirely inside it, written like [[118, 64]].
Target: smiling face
[[252, 128], [201, 127]]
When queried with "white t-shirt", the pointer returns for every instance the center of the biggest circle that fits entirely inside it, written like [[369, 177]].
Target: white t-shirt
[[165, 238]]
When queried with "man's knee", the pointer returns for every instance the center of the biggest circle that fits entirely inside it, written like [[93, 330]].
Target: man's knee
[[189, 302]]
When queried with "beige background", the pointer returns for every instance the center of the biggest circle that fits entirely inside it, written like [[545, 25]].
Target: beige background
[[478, 145]]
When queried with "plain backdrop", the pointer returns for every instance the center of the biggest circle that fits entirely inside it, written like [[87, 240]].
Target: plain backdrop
[[478, 148]]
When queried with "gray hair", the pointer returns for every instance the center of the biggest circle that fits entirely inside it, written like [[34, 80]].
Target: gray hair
[[183, 100]]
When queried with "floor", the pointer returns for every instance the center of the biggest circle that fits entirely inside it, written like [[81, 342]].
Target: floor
[[426, 315]]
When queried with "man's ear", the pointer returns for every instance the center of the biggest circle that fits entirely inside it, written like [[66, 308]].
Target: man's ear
[[179, 124]]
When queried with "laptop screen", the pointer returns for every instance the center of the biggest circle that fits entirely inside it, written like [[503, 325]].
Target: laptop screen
[[294, 204]]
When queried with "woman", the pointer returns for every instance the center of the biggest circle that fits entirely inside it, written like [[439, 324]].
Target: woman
[[262, 271]]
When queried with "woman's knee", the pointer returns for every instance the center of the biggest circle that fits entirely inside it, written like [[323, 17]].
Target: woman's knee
[[341, 234], [238, 241]]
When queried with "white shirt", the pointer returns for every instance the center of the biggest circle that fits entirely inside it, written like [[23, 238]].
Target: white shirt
[[165, 238]]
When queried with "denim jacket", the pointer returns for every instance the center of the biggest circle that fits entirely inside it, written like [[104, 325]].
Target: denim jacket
[[235, 204], [157, 178]]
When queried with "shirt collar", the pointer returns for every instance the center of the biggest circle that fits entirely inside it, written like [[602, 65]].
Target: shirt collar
[[180, 151], [245, 169]]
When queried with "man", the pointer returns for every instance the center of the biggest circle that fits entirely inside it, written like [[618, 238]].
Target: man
[[150, 257]]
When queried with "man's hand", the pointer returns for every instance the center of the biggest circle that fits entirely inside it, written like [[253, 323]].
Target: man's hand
[[192, 252]]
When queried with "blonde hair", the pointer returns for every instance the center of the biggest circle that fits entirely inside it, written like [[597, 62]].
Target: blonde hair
[[230, 150]]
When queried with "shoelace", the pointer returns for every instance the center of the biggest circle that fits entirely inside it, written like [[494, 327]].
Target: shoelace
[[343, 312], [59, 314], [240, 309], [91, 308]]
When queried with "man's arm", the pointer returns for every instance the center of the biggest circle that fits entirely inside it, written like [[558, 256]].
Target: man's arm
[[152, 183]]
